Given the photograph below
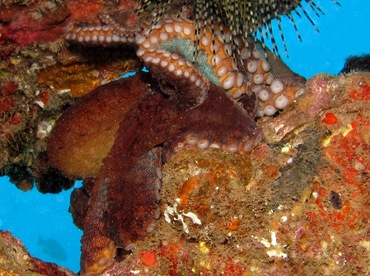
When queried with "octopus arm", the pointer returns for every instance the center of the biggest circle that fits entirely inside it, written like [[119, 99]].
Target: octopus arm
[[219, 122], [133, 201], [124, 202]]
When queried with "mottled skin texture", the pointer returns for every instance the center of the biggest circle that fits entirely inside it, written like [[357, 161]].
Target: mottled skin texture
[[126, 191], [86, 154]]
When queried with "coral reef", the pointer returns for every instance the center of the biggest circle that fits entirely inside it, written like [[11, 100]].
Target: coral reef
[[224, 202]]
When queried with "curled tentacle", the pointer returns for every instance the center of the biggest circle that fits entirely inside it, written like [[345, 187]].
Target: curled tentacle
[[167, 50]]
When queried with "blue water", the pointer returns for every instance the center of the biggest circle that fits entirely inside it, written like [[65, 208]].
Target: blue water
[[43, 223], [344, 31]]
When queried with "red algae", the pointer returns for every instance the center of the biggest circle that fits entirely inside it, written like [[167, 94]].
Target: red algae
[[37, 23], [330, 119], [91, 9], [89, 12], [148, 258]]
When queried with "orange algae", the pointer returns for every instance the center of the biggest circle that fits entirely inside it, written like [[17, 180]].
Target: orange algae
[[5, 104], [233, 224], [171, 251], [216, 178], [350, 154], [16, 119], [350, 149], [337, 210], [184, 258], [82, 78], [148, 258], [186, 189], [233, 269]]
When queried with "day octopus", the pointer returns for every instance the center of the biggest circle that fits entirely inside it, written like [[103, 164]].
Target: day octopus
[[117, 137]]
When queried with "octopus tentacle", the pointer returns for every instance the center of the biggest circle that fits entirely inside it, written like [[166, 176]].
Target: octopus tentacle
[[167, 50], [170, 47], [284, 86], [128, 31], [110, 32], [98, 34], [201, 128], [142, 209], [124, 202]]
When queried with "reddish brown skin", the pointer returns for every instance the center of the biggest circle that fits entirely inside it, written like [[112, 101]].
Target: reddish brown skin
[[152, 122], [84, 135], [123, 201], [127, 198]]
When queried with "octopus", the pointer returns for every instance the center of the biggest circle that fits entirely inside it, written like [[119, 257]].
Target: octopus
[[117, 137]]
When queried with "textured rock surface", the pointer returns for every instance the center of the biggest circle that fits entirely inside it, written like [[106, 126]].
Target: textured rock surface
[[15, 260]]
